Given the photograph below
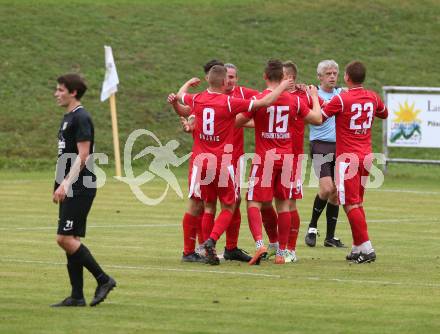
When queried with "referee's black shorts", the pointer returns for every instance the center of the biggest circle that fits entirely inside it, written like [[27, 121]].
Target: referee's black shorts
[[72, 216], [323, 163]]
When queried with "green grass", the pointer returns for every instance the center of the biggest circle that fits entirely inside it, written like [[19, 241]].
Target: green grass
[[140, 246], [159, 44]]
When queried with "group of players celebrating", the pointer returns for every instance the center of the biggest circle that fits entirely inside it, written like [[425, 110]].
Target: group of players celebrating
[[340, 136], [340, 122]]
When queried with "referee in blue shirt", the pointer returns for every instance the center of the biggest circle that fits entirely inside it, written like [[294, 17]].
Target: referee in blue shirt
[[323, 149]]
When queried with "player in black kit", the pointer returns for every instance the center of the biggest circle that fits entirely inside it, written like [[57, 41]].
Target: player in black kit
[[75, 189]]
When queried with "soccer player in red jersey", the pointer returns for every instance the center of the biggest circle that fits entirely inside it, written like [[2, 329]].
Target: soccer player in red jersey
[[271, 171], [232, 252], [192, 219], [290, 71], [354, 112], [215, 116], [195, 205]]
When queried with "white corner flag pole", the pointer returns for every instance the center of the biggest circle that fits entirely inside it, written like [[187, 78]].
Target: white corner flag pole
[[109, 88]]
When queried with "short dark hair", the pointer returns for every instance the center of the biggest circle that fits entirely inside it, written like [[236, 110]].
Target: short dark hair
[[291, 66], [274, 70], [73, 82], [356, 71], [217, 75], [210, 64]]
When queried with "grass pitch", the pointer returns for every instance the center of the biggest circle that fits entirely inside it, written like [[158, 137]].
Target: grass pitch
[[141, 247]]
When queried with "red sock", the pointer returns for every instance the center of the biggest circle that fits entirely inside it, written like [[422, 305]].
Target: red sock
[[233, 230], [207, 225], [221, 224], [358, 226], [189, 225], [199, 229], [269, 216], [294, 230], [255, 222], [283, 228]]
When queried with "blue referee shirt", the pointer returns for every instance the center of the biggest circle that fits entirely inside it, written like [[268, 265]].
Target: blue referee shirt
[[326, 131]]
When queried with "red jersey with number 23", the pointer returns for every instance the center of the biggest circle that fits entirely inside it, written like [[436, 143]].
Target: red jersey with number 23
[[354, 112], [215, 120]]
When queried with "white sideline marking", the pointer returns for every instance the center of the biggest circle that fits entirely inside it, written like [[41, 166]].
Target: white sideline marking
[[236, 273], [420, 192], [91, 226], [37, 228], [310, 278]]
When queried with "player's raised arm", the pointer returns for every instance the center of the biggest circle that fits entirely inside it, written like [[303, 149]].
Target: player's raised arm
[[267, 100], [193, 82], [314, 116], [179, 108]]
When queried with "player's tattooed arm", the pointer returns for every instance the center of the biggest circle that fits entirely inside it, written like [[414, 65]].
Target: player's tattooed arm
[[188, 124], [179, 108]]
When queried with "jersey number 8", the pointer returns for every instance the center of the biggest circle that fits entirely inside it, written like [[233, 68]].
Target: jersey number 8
[[208, 121]]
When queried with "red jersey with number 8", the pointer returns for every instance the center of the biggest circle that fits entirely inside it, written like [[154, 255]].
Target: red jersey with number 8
[[354, 112], [215, 120]]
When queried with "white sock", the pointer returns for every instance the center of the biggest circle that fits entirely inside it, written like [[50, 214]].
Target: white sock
[[366, 247], [259, 244], [355, 249], [280, 252]]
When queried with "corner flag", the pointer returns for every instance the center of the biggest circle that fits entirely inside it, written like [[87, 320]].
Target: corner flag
[[109, 88], [111, 80]]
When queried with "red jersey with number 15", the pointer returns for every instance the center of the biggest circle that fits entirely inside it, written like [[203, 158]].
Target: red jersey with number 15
[[354, 112], [214, 120], [273, 124]]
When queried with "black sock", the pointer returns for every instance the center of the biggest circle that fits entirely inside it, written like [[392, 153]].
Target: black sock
[[75, 271], [87, 260], [318, 206], [332, 218]]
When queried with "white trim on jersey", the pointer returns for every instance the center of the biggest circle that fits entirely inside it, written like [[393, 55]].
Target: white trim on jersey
[[77, 107], [241, 91], [297, 110], [240, 172], [252, 183], [342, 103], [341, 186], [251, 105], [229, 105], [322, 112], [183, 99], [194, 188], [213, 92], [232, 175]]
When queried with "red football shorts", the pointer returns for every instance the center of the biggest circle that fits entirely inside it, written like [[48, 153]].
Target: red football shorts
[[267, 183], [350, 180]]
